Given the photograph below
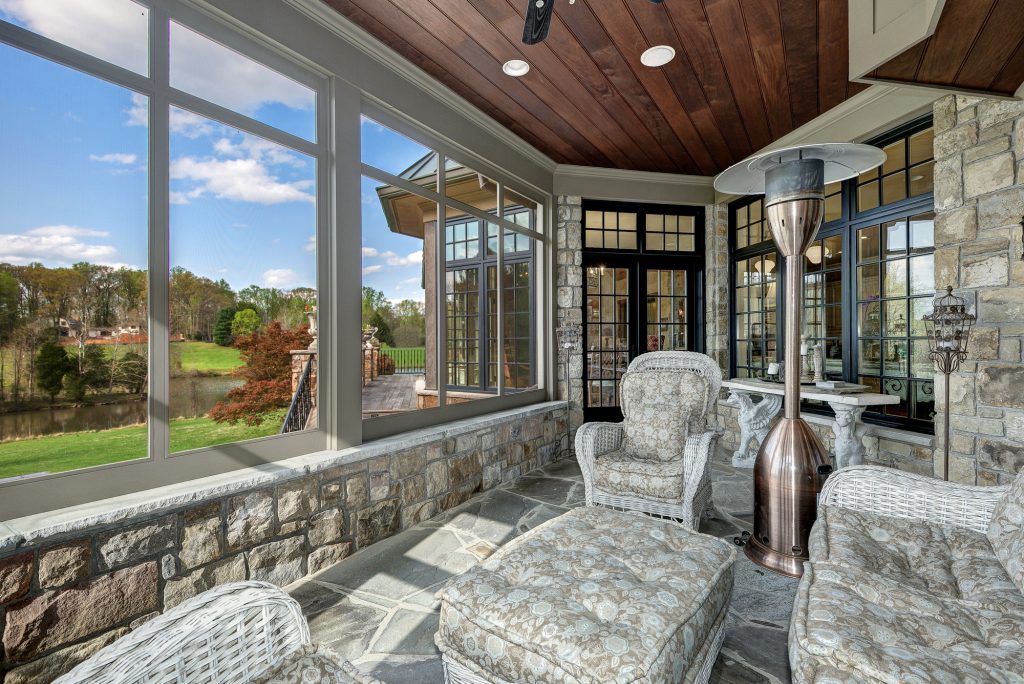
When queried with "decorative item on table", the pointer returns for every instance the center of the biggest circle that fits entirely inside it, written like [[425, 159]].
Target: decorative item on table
[[949, 329], [806, 372], [840, 386], [819, 363], [774, 372]]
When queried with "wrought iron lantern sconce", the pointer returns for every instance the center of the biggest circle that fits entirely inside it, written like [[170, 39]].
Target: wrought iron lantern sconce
[[569, 338], [949, 329], [538, 19]]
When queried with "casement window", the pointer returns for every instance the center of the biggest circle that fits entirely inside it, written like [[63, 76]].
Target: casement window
[[868, 280]]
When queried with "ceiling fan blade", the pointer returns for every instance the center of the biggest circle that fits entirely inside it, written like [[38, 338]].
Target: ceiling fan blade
[[538, 20]]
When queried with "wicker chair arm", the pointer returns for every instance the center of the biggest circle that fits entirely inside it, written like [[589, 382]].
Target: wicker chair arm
[[889, 492], [231, 633], [592, 440]]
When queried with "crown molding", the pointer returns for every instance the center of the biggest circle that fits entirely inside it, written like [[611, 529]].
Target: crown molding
[[619, 184], [362, 40]]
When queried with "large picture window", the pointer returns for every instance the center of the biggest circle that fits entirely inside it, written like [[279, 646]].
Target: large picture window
[[868, 280]]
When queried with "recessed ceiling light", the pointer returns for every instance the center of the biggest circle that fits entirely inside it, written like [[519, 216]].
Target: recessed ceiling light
[[657, 56], [515, 67]]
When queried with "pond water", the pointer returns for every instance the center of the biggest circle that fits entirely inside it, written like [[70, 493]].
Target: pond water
[[190, 397]]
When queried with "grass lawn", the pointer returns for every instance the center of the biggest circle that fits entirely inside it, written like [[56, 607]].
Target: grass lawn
[[58, 453], [207, 357]]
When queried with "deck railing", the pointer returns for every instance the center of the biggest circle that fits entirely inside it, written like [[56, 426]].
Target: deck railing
[[302, 402], [402, 360]]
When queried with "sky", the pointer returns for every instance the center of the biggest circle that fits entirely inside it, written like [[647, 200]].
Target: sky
[[74, 160]]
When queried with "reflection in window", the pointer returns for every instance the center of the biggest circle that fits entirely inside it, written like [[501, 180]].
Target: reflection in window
[[666, 310], [74, 367], [240, 288], [515, 362], [462, 316], [610, 229], [823, 298], [908, 171], [607, 320], [756, 306], [895, 289]]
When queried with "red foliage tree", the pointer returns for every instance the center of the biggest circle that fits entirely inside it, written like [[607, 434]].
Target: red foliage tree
[[267, 373]]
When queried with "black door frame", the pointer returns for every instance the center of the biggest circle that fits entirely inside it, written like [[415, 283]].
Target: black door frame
[[637, 262]]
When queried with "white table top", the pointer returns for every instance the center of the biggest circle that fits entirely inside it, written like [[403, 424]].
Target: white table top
[[812, 392]]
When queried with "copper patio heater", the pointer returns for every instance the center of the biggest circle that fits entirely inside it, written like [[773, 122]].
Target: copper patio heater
[[792, 464]]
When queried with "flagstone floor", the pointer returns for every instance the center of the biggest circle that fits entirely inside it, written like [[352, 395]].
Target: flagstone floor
[[377, 608]]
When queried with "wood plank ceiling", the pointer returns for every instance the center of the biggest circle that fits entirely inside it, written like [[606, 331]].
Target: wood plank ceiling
[[746, 72], [977, 45]]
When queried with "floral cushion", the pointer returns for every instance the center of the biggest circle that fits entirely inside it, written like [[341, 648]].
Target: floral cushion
[[622, 473], [657, 406], [596, 595], [314, 664], [1006, 531], [852, 627], [943, 560]]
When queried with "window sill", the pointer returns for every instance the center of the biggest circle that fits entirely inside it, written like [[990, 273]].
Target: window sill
[[74, 519]]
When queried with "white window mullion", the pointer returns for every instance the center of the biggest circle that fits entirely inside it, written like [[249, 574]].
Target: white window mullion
[[159, 237]]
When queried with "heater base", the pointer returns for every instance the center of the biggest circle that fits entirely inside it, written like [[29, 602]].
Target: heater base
[[791, 566]]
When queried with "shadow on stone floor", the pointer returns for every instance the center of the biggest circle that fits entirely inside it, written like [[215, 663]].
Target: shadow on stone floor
[[377, 607]]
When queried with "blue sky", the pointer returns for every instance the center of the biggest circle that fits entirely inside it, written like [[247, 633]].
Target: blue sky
[[74, 162]]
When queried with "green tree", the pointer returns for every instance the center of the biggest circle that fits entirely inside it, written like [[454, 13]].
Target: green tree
[[222, 330], [245, 322], [378, 321], [373, 300], [52, 364], [96, 367]]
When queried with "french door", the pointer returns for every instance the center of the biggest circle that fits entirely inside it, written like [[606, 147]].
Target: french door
[[632, 305]]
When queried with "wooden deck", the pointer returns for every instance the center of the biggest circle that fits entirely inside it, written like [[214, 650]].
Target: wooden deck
[[390, 394]]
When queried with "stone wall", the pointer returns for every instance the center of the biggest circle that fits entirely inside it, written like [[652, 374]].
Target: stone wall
[[569, 293], [979, 204], [66, 593]]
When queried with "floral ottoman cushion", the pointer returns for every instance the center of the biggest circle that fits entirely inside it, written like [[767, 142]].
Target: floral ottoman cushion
[[596, 595]]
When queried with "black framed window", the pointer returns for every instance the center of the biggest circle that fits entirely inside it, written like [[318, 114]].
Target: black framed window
[[868, 280], [643, 291], [471, 317]]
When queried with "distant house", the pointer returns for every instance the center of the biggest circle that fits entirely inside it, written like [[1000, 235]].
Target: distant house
[[69, 327], [470, 266]]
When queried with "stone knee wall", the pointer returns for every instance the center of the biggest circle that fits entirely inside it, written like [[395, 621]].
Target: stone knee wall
[[63, 597], [979, 206]]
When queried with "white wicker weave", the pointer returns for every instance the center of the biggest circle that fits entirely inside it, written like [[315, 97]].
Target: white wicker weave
[[232, 633], [594, 439], [892, 493], [457, 673]]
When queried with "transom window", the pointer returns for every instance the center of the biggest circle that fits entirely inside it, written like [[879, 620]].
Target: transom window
[[868, 280]]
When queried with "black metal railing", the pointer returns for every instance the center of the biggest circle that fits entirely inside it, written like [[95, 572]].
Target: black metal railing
[[302, 402], [410, 360]]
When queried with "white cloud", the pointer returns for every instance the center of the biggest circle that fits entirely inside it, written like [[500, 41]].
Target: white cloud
[[66, 231], [280, 277], [414, 280], [311, 243], [408, 260], [56, 246], [376, 268], [370, 252], [265, 151], [114, 30], [239, 180], [121, 158]]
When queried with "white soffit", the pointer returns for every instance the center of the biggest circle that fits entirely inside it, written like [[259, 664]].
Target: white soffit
[[881, 29]]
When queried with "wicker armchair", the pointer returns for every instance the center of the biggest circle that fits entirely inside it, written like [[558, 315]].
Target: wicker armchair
[[596, 439], [232, 633], [895, 494]]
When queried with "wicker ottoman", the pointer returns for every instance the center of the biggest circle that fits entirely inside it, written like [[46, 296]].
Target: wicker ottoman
[[596, 595]]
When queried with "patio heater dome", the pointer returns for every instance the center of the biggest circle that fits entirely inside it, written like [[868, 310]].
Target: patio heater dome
[[792, 464]]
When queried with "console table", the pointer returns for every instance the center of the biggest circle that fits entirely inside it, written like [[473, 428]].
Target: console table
[[755, 418]]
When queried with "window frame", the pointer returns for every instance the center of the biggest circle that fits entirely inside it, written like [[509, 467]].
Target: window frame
[[340, 103], [847, 227]]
